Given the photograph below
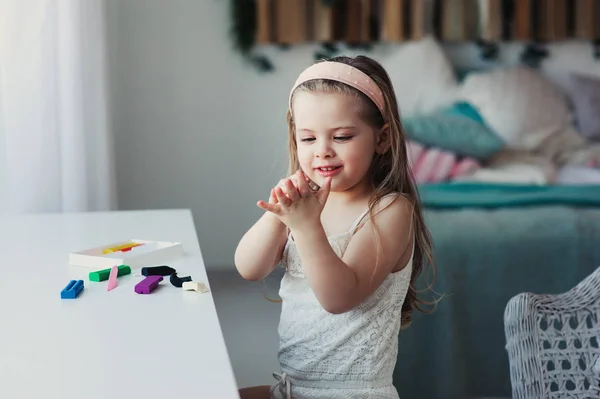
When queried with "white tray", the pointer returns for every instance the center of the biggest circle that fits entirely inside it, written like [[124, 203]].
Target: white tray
[[153, 253]]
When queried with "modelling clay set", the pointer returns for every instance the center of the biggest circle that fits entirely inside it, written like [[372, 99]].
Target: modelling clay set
[[112, 260], [135, 253]]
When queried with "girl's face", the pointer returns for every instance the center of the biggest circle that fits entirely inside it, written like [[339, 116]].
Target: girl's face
[[333, 140]]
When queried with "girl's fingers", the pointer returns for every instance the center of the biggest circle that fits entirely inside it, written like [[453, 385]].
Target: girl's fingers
[[302, 174], [324, 191], [282, 183], [304, 188], [290, 190], [272, 197], [281, 197], [313, 186], [273, 208]]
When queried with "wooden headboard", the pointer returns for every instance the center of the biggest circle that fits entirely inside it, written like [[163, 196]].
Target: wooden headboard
[[363, 21], [369, 22]]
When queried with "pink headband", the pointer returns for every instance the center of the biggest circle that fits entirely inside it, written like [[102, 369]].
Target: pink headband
[[342, 73]]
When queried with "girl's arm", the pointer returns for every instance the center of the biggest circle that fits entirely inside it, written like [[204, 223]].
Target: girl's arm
[[342, 284], [260, 249]]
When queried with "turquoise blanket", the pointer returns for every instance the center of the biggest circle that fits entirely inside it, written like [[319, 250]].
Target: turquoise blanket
[[460, 195], [534, 239]]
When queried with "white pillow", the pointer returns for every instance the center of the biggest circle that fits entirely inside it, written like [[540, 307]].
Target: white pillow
[[422, 76], [521, 105], [511, 174], [569, 57]]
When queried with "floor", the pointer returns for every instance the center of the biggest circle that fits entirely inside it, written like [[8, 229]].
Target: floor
[[249, 323]]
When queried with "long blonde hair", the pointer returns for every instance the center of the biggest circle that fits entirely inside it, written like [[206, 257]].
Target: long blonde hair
[[389, 172]]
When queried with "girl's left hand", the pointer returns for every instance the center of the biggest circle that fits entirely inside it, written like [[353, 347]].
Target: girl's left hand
[[298, 207]]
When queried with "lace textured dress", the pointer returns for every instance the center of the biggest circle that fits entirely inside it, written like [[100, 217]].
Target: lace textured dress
[[349, 355]]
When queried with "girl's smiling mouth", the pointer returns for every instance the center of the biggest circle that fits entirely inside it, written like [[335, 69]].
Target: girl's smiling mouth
[[327, 171]]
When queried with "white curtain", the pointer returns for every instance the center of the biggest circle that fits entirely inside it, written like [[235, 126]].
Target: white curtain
[[56, 150]]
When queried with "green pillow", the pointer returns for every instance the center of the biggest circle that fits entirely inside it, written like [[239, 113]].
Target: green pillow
[[464, 109], [457, 130]]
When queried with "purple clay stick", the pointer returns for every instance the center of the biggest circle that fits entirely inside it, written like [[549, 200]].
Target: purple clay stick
[[147, 285]]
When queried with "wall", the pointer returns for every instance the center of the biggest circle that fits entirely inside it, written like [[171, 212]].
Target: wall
[[195, 127], [3, 179], [198, 128]]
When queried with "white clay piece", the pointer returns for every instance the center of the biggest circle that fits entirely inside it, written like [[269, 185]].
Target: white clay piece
[[194, 286]]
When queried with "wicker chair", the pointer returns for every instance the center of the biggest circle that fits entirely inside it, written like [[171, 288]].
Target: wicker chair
[[553, 342]]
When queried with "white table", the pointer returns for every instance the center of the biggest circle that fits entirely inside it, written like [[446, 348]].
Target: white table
[[103, 345]]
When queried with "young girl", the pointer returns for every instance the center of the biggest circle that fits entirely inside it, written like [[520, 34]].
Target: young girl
[[351, 249]]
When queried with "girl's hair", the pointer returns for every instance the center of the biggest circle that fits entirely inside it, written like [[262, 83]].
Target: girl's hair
[[389, 172]]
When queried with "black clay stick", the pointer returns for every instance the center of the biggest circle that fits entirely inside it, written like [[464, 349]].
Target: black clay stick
[[157, 271], [178, 281]]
